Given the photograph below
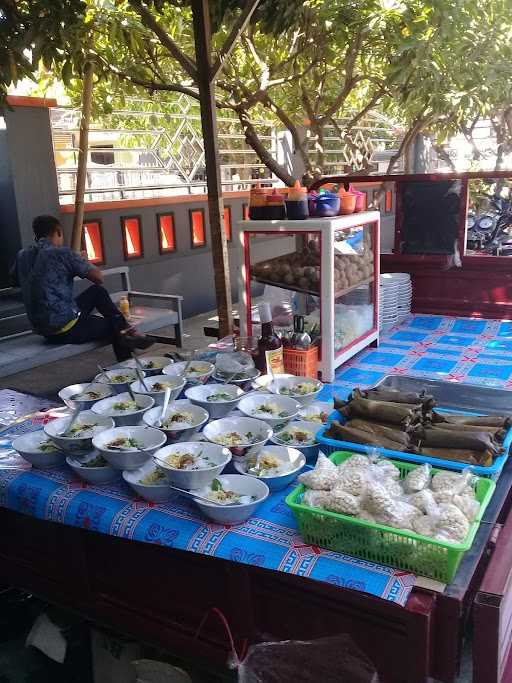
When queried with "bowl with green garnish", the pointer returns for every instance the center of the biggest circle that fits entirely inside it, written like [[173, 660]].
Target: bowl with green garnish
[[217, 399], [123, 409], [274, 410], [78, 437], [92, 467], [128, 448], [39, 450], [149, 482]]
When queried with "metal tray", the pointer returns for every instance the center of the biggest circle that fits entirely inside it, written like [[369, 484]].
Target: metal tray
[[455, 396]]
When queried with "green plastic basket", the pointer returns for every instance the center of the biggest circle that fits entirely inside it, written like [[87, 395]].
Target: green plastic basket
[[382, 544]]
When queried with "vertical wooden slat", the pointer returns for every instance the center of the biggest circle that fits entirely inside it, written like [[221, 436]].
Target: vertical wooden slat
[[202, 39]]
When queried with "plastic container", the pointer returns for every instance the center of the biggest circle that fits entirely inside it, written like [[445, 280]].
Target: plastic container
[[257, 201], [382, 544], [301, 363], [274, 208], [297, 203], [327, 205], [347, 203], [493, 472], [124, 307]]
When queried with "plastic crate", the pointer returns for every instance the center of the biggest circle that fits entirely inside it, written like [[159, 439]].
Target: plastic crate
[[329, 446], [382, 544], [301, 363]]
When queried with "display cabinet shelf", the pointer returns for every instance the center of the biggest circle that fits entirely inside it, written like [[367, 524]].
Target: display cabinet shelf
[[326, 269]]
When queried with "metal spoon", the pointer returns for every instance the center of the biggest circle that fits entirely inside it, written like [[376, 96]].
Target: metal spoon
[[102, 372], [139, 369], [167, 398], [66, 431], [197, 496]]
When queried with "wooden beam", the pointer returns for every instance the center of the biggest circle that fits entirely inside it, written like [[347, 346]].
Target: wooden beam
[[83, 149], [202, 39], [230, 42]]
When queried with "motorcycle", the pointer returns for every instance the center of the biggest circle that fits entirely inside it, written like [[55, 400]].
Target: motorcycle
[[491, 232]]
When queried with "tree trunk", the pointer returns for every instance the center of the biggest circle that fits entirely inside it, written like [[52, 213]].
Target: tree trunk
[[83, 147], [202, 38]]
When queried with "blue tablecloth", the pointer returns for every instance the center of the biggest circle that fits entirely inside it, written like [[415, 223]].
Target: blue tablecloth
[[269, 539]]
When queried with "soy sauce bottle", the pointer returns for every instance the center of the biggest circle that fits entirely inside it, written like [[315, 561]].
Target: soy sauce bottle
[[270, 347]]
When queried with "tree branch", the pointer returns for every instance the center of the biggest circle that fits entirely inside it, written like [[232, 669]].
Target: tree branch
[[150, 22], [288, 123], [236, 32], [350, 79], [252, 139]]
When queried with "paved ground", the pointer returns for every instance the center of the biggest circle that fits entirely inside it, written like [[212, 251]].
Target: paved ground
[[48, 379]]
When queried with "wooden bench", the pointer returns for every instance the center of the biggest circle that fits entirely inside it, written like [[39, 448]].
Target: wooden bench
[[149, 311]]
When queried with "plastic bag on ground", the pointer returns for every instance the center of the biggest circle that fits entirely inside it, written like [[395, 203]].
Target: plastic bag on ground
[[334, 659]]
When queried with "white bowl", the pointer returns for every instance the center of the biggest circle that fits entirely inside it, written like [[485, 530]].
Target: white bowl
[[234, 514], [115, 386], [127, 417], [175, 384], [154, 493], [150, 440], [192, 377], [287, 407], [94, 475], [79, 444], [314, 411], [151, 365], [262, 382], [291, 457], [200, 393], [310, 451], [241, 380], [66, 395], [193, 479], [279, 384], [27, 446], [242, 425], [178, 432]]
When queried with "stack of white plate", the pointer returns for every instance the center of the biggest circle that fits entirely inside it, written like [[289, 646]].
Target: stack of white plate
[[404, 293], [388, 304]]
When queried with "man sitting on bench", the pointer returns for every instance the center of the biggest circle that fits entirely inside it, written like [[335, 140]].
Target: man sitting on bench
[[45, 273]]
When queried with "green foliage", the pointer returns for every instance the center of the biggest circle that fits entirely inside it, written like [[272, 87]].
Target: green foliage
[[39, 32], [431, 65]]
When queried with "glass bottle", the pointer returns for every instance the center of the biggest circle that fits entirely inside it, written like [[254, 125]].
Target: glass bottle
[[270, 347]]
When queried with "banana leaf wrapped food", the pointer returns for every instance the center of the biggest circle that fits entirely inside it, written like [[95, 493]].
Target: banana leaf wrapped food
[[497, 433], [340, 432], [393, 413], [500, 421], [395, 396], [481, 458], [388, 432], [444, 438]]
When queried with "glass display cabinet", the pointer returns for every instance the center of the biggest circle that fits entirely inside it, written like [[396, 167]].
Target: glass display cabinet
[[326, 269]]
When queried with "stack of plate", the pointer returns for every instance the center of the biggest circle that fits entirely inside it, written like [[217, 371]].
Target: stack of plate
[[404, 294], [388, 304]]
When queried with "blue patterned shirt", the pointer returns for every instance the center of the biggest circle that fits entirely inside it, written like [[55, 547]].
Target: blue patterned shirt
[[45, 274]]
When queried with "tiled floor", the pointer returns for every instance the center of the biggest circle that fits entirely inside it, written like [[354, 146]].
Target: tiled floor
[[453, 349]]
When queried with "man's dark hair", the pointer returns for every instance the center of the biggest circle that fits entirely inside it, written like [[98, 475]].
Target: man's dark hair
[[43, 226]]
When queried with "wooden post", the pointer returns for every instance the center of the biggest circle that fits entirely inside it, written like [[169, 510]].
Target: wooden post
[[83, 148], [202, 39]]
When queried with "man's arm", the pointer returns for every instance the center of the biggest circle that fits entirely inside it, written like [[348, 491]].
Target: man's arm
[[95, 275]]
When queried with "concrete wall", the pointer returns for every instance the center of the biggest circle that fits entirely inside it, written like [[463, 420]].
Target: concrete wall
[[28, 187], [30, 151], [186, 271], [9, 230]]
